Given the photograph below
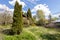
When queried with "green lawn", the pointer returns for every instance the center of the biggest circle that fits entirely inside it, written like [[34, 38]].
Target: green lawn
[[36, 33]]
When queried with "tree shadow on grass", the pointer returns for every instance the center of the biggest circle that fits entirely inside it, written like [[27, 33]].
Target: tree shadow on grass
[[8, 32], [50, 36]]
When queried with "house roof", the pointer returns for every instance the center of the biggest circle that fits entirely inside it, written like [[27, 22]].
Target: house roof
[[57, 20], [23, 15]]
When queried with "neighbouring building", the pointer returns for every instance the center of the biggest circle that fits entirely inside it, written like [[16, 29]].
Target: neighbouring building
[[55, 23]]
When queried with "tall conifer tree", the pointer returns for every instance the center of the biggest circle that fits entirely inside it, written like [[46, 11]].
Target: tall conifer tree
[[17, 19], [29, 16]]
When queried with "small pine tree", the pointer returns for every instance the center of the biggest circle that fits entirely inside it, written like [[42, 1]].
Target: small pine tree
[[29, 16], [17, 19]]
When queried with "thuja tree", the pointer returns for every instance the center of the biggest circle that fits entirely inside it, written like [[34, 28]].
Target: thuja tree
[[17, 19], [29, 16]]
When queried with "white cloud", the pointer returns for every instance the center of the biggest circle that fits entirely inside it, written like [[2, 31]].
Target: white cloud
[[33, 1], [42, 7], [20, 2], [55, 15], [4, 7]]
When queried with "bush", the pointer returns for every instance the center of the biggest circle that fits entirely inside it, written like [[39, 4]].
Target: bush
[[40, 22]]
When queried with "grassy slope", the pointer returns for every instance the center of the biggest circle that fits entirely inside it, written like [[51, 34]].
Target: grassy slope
[[46, 33], [36, 33]]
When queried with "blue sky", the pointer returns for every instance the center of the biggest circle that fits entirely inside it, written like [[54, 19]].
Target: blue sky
[[53, 5]]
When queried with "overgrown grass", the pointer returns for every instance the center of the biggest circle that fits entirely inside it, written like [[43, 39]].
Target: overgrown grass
[[46, 33], [36, 33], [23, 36]]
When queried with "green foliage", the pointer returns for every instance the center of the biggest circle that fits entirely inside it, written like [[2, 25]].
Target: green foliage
[[46, 34], [17, 19], [41, 22], [40, 17], [24, 36], [29, 16], [36, 33], [34, 18], [40, 14], [50, 36]]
